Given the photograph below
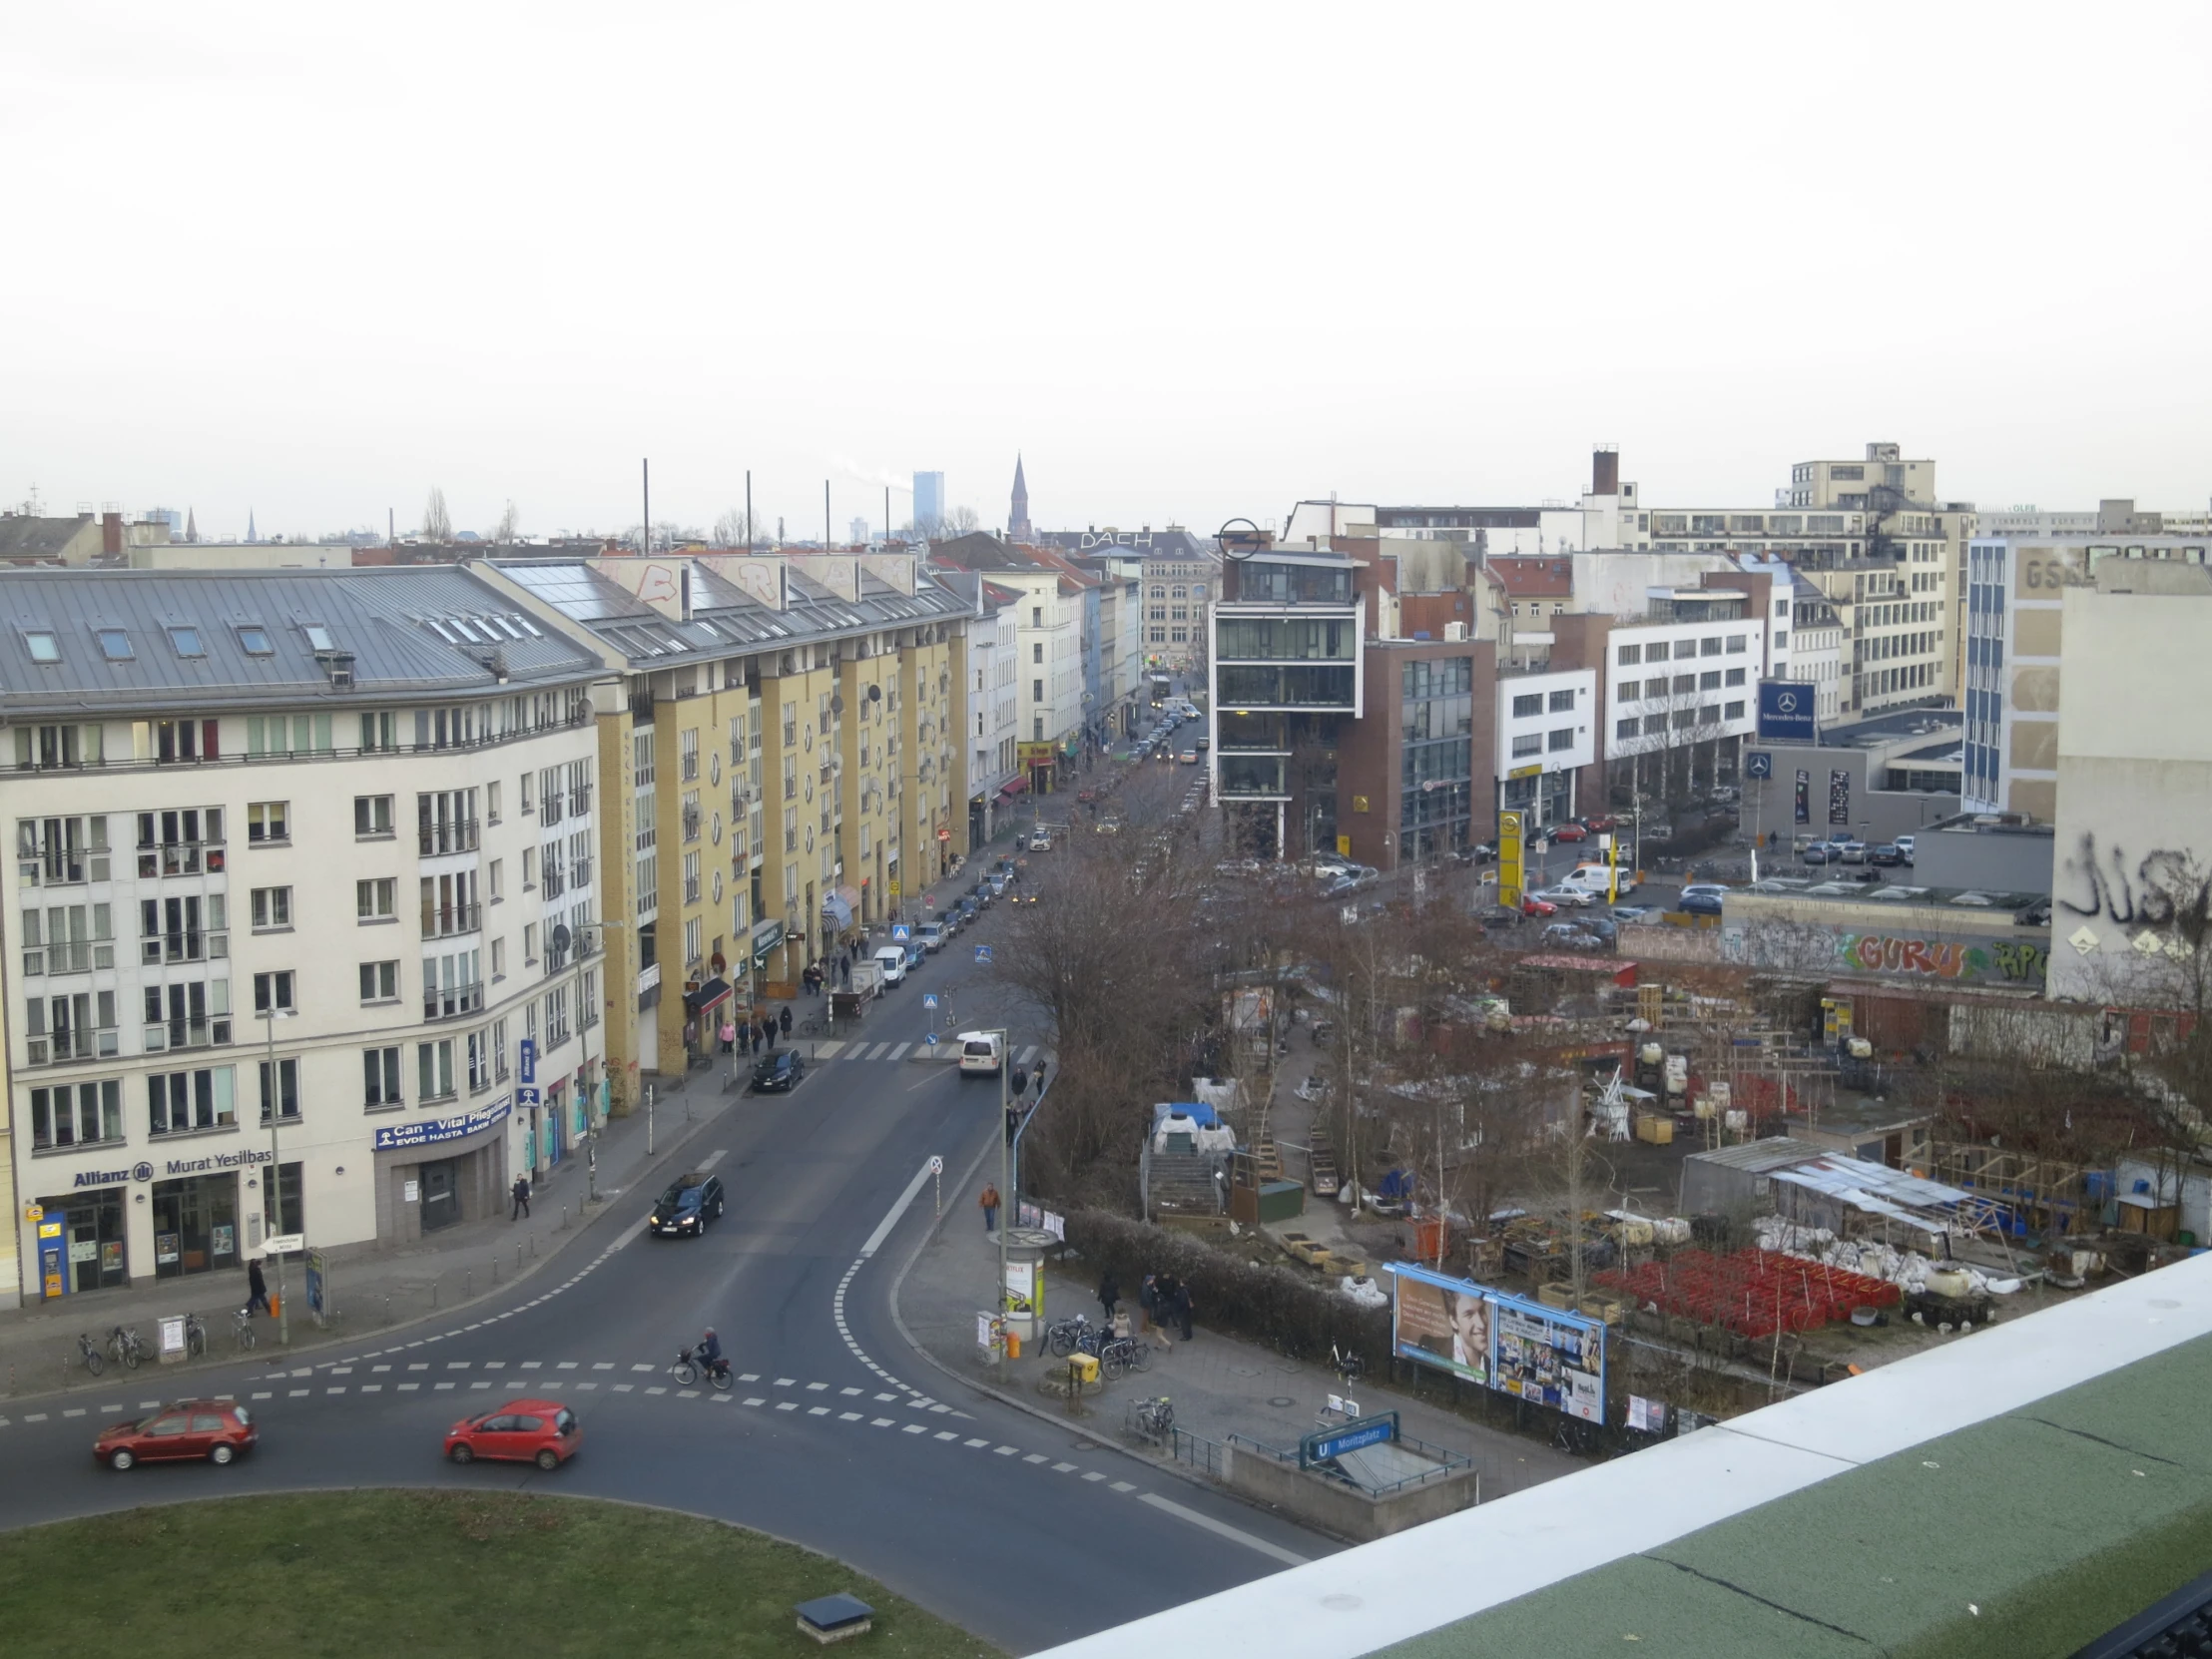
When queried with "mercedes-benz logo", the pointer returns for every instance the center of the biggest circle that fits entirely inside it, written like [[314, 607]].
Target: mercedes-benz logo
[[1785, 703]]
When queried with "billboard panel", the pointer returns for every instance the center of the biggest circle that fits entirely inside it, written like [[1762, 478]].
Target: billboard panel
[[1502, 1342], [1509, 872], [1786, 712], [1442, 1321]]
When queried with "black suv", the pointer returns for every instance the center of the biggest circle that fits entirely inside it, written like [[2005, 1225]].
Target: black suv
[[689, 1205], [777, 1072]]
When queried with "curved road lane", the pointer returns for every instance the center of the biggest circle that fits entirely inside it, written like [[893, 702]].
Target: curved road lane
[[834, 1436]]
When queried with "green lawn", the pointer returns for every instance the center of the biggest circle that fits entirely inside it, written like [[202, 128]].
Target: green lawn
[[410, 1572]]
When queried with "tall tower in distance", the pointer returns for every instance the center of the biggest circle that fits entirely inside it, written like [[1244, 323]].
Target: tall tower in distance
[[1017, 520], [928, 502]]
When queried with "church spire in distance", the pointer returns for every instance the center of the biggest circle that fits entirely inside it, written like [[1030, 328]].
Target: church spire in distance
[[1017, 520]]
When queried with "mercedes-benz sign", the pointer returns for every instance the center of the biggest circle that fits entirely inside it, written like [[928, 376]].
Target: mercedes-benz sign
[[1786, 712]]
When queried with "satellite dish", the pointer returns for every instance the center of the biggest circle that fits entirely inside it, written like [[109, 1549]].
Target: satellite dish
[[836, 703], [875, 694], [559, 938]]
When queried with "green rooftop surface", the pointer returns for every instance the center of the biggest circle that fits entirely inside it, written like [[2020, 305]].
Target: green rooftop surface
[[2025, 1536]]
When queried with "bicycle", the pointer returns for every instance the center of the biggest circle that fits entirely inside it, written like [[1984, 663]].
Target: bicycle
[[1347, 1366], [90, 1353], [1120, 1355], [1064, 1337], [1573, 1437], [196, 1337], [124, 1343], [241, 1330], [689, 1365], [1156, 1419]]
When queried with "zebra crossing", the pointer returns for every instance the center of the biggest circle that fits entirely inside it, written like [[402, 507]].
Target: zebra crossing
[[890, 1052]]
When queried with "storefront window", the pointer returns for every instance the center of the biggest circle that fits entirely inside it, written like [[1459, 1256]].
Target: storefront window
[[196, 1225], [284, 1190], [88, 1253]]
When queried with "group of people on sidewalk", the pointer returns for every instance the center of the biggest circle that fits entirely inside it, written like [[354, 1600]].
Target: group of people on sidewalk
[[1164, 1299], [745, 1037]]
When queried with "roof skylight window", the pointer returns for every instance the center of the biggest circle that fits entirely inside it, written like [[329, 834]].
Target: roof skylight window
[[42, 645], [115, 644]]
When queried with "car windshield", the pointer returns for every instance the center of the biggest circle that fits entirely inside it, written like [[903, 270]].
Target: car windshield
[[678, 1195]]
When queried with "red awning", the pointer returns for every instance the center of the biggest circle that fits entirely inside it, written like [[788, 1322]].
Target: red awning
[[1015, 786]]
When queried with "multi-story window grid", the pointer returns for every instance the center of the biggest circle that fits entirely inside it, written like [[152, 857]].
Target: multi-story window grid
[[76, 1114], [67, 938], [453, 984], [1437, 770], [380, 1077], [283, 1088], [188, 1102]]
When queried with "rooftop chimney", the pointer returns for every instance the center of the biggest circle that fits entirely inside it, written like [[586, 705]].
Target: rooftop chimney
[[1605, 471], [111, 532]]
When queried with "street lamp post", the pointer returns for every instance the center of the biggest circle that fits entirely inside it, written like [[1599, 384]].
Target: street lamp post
[[1005, 1145], [275, 1193], [597, 1118]]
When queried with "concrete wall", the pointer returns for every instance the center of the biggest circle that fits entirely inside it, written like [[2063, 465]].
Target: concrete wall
[[2134, 773], [1992, 858], [1769, 804], [1336, 1508]]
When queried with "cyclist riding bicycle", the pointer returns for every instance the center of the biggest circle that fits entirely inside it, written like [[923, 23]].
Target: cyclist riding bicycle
[[710, 1353]]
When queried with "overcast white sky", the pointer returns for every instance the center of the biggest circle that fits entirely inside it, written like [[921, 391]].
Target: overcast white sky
[[1191, 259]]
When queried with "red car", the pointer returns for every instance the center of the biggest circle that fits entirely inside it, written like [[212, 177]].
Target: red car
[[540, 1431], [216, 1430], [1534, 906], [1568, 833], [1602, 823]]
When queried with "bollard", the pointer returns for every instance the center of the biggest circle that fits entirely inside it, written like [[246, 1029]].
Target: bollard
[[468, 1283], [495, 1271], [434, 1291], [533, 1247], [518, 1258]]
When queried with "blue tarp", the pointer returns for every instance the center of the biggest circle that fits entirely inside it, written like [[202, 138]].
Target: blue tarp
[[1196, 1110], [838, 910]]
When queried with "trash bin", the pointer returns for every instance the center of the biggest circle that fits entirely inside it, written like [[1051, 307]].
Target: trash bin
[[1428, 1238], [1085, 1367], [1013, 1345]]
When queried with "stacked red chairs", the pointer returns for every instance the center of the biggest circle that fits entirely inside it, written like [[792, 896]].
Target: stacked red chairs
[[1751, 1292]]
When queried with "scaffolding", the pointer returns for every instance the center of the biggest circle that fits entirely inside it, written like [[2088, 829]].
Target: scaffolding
[[2020, 1192]]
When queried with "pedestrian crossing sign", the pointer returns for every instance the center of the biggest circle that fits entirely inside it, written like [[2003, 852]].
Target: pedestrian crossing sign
[[928, 1000], [983, 953], [901, 933]]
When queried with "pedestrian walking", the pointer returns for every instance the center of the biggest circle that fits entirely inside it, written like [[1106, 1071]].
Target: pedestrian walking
[[256, 1287], [784, 1019], [844, 973], [1183, 1308], [520, 1193], [1109, 1294], [768, 1032], [1148, 1301], [729, 1037], [989, 1202], [1038, 1080]]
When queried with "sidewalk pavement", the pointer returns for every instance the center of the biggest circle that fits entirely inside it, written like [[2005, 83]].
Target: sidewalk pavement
[[375, 1286], [1220, 1386]]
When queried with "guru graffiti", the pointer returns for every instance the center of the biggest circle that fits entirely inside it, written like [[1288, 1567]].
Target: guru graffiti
[[2014, 960]]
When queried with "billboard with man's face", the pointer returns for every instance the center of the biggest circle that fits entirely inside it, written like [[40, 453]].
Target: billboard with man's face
[[1545, 1355]]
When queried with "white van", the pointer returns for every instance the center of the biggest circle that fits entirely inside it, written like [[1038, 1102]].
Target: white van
[[892, 959], [983, 1053], [1598, 879]]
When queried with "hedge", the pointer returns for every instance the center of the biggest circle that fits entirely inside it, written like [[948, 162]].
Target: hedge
[[1279, 1305]]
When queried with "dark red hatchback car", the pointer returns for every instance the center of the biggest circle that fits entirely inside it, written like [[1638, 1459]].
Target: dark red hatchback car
[[216, 1430], [540, 1431]]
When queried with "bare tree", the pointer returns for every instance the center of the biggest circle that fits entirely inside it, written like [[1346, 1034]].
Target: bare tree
[[437, 523], [509, 528], [733, 529], [958, 521]]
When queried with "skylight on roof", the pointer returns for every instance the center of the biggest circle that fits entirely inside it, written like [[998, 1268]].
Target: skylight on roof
[[185, 642], [253, 641], [529, 627], [42, 645], [115, 644], [318, 637], [462, 626]]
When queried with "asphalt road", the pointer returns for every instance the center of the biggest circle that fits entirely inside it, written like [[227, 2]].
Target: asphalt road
[[837, 1434]]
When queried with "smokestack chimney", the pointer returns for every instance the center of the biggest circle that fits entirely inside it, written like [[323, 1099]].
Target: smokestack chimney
[[111, 532], [1605, 471]]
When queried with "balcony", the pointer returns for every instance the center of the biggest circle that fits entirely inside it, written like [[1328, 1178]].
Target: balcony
[[180, 858], [162, 1036], [579, 873], [550, 809], [452, 1001], [70, 956], [435, 840], [192, 944], [82, 1042], [579, 801], [443, 921], [1246, 778]]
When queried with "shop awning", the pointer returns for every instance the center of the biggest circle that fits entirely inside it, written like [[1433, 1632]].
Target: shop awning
[[837, 909], [714, 991], [1013, 788]]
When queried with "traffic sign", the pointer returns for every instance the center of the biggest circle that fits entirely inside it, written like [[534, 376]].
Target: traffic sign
[[283, 1244], [929, 901], [928, 1000], [936, 1165], [932, 1039], [901, 933], [983, 953]]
